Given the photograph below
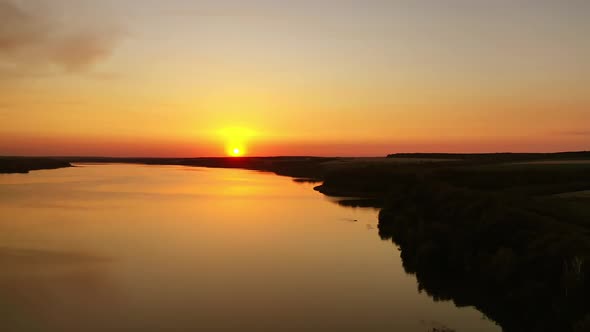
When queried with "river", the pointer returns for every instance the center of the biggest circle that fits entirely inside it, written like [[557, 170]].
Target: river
[[116, 247]]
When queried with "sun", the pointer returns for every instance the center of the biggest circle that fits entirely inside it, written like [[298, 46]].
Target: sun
[[236, 150], [237, 140]]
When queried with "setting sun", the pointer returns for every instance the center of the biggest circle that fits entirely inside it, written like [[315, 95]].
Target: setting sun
[[236, 152], [235, 149], [236, 139]]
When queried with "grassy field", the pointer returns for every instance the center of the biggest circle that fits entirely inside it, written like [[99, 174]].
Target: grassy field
[[580, 194], [556, 162], [509, 237]]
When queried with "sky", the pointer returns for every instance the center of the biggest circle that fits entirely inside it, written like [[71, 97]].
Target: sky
[[323, 77]]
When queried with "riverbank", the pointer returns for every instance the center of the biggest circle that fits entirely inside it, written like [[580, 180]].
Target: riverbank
[[521, 260], [508, 234], [27, 164]]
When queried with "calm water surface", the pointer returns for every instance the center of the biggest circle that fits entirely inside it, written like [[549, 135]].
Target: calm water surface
[[166, 248]]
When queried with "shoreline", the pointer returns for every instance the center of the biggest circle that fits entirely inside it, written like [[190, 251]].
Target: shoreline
[[24, 165]]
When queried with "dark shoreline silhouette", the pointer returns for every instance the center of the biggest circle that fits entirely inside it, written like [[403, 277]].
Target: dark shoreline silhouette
[[27, 164], [522, 261], [302, 167], [500, 232]]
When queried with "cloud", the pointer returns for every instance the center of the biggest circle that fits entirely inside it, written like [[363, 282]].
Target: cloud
[[82, 50], [19, 29], [32, 43]]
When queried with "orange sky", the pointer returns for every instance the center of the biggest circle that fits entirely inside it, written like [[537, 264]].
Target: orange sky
[[183, 78]]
